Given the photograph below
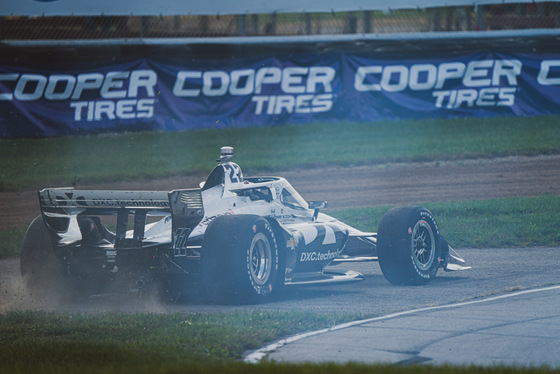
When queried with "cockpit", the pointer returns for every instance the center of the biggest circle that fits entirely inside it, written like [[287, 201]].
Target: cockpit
[[290, 198], [229, 175]]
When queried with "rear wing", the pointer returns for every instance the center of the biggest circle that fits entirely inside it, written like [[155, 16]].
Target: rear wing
[[64, 208], [97, 199]]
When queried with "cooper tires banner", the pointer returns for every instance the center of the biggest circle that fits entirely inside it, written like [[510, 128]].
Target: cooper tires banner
[[156, 94]]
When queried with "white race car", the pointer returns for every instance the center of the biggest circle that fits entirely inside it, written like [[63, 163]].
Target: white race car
[[236, 238]]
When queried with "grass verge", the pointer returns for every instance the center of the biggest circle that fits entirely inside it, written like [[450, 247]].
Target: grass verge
[[36, 163], [41, 342], [10, 242], [515, 222], [45, 339]]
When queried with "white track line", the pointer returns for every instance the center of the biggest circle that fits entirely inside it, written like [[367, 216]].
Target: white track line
[[256, 356]]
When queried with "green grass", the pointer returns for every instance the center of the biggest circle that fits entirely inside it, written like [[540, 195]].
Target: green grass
[[34, 163], [41, 342], [10, 242], [515, 222], [40, 339]]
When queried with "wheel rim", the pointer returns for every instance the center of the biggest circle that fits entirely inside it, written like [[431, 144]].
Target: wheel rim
[[260, 256], [423, 245]]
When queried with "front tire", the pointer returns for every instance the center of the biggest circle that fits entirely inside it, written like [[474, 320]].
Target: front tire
[[409, 246], [239, 259]]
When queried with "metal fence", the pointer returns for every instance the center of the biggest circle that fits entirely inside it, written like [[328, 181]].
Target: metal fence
[[464, 18]]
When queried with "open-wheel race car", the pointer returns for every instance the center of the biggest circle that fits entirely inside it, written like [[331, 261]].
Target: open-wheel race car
[[236, 238]]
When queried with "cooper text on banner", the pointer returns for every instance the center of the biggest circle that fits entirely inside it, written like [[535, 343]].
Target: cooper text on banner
[[159, 94]]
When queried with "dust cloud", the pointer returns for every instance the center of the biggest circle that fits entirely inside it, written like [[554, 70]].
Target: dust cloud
[[15, 297]]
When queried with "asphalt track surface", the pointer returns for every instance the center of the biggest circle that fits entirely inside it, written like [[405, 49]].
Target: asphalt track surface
[[494, 271], [497, 330]]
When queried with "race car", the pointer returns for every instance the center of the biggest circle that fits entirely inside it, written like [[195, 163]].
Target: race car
[[235, 239]]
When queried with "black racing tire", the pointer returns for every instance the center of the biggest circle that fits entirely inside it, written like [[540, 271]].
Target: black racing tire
[[409, 246], [239, 260], [41, 271]]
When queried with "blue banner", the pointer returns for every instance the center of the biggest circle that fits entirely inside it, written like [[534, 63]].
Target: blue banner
[[156, 94]]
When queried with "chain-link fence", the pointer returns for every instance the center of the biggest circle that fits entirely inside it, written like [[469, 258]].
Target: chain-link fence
[[464, 18]]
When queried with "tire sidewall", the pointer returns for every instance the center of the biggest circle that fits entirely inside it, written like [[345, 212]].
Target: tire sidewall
[[423, 216], [261, 226], [225, 260], [395, 247]]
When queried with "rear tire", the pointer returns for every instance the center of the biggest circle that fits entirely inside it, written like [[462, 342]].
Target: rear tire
[[409, 246], [239, 259], [41, 271]]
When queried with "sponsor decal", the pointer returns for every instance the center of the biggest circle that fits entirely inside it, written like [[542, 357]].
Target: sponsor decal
[[112, 202], [70, 199], [548, 73], [118, 93], [482, 81], [291, 243], [111, 256], [430, 218], [299, 88], [317, 256]]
